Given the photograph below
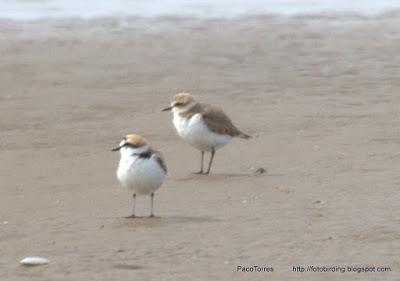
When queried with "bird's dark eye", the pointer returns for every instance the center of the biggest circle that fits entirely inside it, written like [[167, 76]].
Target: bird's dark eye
[[178, 104]]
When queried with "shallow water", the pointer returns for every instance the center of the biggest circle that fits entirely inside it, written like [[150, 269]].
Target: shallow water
[[37, 9]]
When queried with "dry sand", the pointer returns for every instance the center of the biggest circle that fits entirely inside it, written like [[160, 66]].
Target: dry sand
[[321, 98]]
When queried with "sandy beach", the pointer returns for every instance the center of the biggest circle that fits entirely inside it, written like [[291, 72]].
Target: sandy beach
[[320, 96]]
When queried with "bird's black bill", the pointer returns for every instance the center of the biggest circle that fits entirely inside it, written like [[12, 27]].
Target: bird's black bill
[[116, 149], [167, 108]]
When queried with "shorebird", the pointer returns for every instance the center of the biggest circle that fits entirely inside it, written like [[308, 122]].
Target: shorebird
[[141, 169], [203, 126]]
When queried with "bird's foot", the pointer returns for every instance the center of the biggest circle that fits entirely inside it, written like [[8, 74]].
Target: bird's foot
[[131, 217], [152, 216], [199, 173]]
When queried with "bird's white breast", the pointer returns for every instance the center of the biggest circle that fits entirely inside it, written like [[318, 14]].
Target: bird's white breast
[[195, 132], [140, 175]]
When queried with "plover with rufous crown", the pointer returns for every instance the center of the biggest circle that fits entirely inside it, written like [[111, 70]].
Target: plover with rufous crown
[[203, 126], [141, 169]]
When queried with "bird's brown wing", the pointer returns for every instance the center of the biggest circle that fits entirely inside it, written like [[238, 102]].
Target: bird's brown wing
[[218, 122], [160, 159]]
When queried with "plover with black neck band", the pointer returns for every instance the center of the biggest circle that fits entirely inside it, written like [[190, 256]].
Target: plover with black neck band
[[141, 169]]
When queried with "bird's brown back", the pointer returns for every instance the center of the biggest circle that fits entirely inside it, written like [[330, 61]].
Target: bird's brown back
[[215, 119]]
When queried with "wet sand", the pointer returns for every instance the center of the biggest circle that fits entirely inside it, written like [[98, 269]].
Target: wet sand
[[321, 98]]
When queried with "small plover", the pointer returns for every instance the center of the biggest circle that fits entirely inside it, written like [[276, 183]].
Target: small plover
[[141, 169], [203, 126]]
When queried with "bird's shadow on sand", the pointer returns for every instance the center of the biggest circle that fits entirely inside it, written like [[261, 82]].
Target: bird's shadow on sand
[[211, 177], [128, 266], [163, 221]]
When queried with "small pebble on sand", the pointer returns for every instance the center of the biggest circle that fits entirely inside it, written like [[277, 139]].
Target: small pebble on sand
[[259, 171]]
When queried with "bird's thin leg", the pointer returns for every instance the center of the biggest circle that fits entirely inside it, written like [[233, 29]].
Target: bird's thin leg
[[152, 205], [202, 161], [133, 208], [201, 165], [134, 204], [211, 160]]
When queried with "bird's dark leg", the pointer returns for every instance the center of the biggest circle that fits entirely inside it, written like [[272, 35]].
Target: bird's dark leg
[[211, 160], [133, 208], [201, 165], [152, 205]]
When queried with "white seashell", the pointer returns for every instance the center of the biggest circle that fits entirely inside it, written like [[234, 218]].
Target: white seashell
[[30, 261]]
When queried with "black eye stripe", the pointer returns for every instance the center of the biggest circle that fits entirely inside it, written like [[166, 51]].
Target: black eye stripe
[[178, 104]]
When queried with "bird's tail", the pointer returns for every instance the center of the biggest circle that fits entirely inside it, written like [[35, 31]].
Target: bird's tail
[[244, 136]]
